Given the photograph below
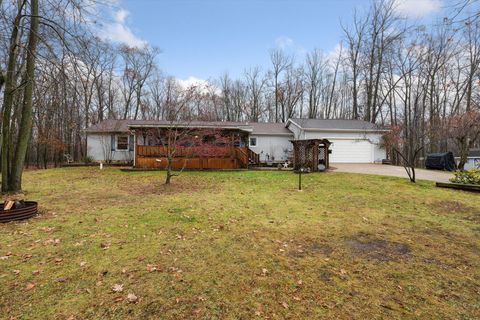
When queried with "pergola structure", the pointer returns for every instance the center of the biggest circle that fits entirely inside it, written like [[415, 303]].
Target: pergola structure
[[311, 155]]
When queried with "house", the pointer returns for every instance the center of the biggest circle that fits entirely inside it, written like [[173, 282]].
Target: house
[[473, 159], [228, 145]]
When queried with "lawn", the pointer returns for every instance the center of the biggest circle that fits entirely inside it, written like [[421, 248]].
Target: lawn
[[240, 245]]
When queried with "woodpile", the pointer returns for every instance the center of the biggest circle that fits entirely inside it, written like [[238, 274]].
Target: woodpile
[[13, 204]]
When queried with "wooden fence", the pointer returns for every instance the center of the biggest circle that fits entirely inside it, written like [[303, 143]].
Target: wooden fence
[[210, 157]]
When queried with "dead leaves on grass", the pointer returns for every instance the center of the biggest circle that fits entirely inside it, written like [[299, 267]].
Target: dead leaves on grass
[[132, 298], [117, 287], [29, 286], [153, 268]]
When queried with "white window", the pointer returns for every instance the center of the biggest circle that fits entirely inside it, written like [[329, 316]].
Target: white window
[[122, 142], [253, 142]]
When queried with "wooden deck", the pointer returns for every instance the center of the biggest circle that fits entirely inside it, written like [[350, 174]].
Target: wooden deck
[[193, 157]]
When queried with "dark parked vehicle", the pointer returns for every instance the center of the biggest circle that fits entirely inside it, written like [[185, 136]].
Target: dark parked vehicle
[[441, 161]]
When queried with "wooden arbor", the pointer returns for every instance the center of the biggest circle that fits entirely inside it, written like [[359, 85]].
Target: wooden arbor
[[311, 154]]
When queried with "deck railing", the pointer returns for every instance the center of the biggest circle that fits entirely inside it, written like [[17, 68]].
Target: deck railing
[[179, 151], [201, 156], [253, 158]]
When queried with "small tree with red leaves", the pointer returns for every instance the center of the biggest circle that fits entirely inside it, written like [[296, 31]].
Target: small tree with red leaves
[[183, 140]]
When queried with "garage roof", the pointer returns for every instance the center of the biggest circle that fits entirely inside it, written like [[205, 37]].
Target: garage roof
[[335, 124]]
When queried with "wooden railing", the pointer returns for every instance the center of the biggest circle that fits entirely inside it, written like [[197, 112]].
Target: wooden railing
[[202, 156], [254, 158], [242, 155], [203, 151]]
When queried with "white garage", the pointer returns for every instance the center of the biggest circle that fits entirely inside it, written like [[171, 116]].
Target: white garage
[[353, 141], [345, 151]]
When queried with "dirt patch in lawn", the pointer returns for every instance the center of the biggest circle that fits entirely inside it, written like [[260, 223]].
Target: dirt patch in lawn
[[179, 185], [325, 274], [474, 217], [377, 249], [308, 247], [451, 206]]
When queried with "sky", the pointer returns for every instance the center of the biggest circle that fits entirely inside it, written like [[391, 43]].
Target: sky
[[201, 39]]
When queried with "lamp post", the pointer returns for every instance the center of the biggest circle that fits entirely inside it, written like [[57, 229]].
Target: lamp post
[[300, 179]]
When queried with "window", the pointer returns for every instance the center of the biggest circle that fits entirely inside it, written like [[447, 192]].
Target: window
[[253, 142], [122, 142]]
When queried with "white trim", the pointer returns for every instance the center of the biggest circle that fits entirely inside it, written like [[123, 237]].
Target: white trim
[[346, 130], [291, 121], [334, 129], [272, 134]]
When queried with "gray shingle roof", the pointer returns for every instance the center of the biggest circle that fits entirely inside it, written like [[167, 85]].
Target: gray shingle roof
[[191, 124], [254, 127], [474, 153], [115, 126], [110, 125], [270, 128], [334, 124]]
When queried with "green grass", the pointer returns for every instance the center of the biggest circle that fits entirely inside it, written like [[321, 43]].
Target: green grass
[[240, 245]]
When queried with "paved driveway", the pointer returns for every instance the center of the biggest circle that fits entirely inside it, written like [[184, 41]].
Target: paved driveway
[[388, 170]]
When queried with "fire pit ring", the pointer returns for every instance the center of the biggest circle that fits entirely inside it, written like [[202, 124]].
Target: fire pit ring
[[30, 209]]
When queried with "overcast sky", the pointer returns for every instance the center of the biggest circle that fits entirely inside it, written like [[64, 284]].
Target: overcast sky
[[204, 38]]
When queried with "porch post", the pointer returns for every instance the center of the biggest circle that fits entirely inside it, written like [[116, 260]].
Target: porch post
[[134, 148]]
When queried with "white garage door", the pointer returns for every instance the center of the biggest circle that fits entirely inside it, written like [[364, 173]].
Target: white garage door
[[353, 151]]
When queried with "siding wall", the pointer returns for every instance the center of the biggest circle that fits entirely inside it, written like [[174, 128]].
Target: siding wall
[[278, 146], [99, 149], [472, 162]]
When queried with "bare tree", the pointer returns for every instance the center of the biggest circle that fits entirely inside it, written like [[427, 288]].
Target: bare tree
[[354, 40], [280, 63], [255, 83], [316, 66], [139, 64], [464, 130]]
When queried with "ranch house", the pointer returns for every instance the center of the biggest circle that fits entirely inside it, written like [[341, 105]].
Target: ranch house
[[228, 145]]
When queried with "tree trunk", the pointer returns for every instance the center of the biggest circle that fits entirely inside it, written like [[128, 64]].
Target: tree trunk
[[464, 150], [10, 81], [169, 168], [27, 108]]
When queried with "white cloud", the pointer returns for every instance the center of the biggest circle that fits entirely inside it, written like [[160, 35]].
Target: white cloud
[[192, 82], [118, 31], [335, 53], [289, 46], [202, 85], [283, 42], [418, 8]]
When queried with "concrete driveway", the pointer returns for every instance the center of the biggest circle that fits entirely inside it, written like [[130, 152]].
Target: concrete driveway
[[388, 170]]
